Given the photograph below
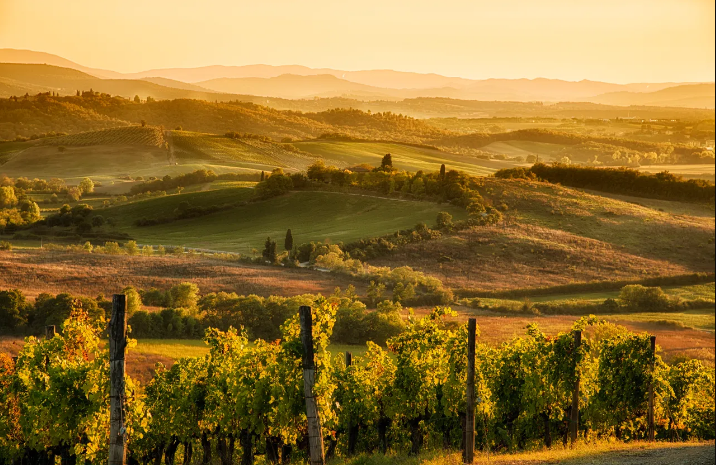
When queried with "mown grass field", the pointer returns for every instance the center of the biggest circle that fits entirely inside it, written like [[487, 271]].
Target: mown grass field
[[105, 163], [312, 216], [405, 157], [514, 148]]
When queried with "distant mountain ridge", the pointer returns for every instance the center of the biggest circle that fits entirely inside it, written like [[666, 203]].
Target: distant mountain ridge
[[301, 82]]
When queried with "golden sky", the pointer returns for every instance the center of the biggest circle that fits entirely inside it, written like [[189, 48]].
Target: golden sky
[[609, 40]]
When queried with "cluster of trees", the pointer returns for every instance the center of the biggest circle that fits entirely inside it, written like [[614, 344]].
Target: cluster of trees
[[184, 210], [16, 212], [200, 176], [246, 399], [20, 316], [478, 140], [246, 135], [626, 181], [183, 312], [595, 153]]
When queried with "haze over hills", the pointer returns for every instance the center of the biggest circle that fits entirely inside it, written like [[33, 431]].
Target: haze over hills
[[688, 95], [300, 82]]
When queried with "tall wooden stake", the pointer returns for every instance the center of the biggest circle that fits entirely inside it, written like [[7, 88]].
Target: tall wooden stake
[[574, 414], [650, 417], [349, 359], [470, 394], [315, 435], [49, 331], [117, 344]]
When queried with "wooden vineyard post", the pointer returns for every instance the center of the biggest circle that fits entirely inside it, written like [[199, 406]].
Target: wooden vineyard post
[[117, 344], [650, 417], [574, 414], [470, 393], [49, 331], [315, 435], [349, 359]]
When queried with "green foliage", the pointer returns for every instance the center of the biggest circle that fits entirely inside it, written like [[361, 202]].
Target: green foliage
[[641, 298], [184, 295], [662, 185]]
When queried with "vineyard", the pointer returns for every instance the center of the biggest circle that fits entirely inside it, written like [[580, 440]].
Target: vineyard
[[245, 400], [132, 135]]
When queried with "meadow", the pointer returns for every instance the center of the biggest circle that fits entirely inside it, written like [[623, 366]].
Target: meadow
[[311, 216], [409, 158]]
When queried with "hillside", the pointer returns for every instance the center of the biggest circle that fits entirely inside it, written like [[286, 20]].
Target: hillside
[[291, 86], [66, 81], [556, 235], [73, 114], [337, 217], [690, 96], [21, 79], [9, 55]]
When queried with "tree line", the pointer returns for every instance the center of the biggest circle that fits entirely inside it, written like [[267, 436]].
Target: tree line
[[182, 312], [626, 181]]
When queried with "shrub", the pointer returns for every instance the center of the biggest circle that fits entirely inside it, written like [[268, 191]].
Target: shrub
[[642, 298]]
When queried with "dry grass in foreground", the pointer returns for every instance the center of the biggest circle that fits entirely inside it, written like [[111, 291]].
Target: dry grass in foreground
[[521, 256], [634, 453], [37, 271]]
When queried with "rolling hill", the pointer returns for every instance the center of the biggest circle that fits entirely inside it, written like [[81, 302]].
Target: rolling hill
[[365, 84], [16, 79], [42, 114], [312, 216], [291, 86], [690, 96], [10, 55]]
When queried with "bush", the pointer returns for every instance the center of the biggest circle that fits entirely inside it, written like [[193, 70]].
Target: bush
[[642, 298], [5, 245]]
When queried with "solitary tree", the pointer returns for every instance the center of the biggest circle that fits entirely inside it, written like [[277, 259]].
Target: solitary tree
[[8, 198], [387, 163], [442, 172], [137, 99], [144, 123], [86, 186], [288, 243], [444, 220], [263, 176]]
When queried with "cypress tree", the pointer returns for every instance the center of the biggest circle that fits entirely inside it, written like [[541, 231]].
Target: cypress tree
[[442, 172], [263, 176], [387, 163], [288, 243]]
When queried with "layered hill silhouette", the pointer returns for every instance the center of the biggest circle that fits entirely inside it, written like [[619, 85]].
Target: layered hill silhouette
[[301, 82]]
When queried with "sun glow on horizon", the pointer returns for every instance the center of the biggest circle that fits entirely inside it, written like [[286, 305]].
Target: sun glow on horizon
[[606, 40]]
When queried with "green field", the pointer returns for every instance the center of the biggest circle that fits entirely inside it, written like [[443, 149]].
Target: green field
[[699, 319], [515, 148], [405, 157], [697, 291], [312, 216]]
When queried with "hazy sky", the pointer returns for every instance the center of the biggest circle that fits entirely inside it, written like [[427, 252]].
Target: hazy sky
[[609, 40]]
